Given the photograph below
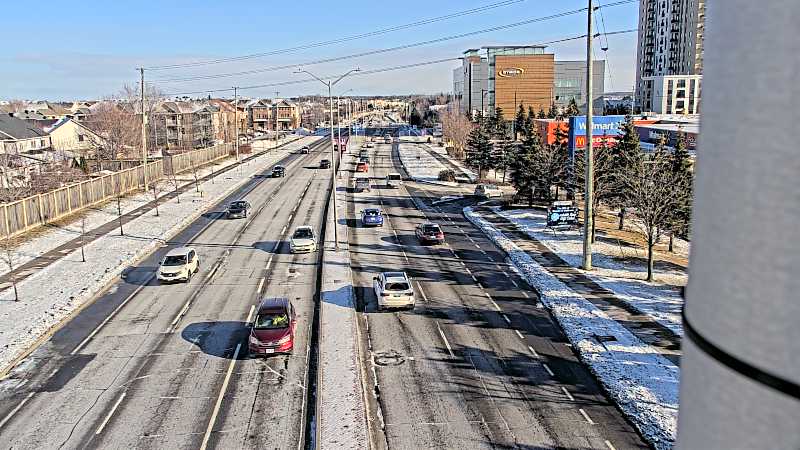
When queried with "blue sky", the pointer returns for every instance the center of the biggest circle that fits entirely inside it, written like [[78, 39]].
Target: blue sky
[[90, 49]]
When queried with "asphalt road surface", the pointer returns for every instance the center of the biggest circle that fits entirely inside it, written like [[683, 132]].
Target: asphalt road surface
[[165, 366], [478, 363]]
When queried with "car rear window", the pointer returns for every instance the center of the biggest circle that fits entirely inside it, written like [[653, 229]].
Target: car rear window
[[271, 320], [397, 286], [370, 212], [394, 176], [431, 229]]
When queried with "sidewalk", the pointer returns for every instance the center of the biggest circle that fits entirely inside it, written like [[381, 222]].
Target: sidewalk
[[50, 243], [640, 380], [52, 294]]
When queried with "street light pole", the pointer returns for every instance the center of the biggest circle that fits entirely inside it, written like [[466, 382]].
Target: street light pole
[[144, 132], [236, 120], [334, 167], [588, 218], [276, 118]]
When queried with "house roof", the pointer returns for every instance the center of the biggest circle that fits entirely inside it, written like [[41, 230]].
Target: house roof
[[16, 129]]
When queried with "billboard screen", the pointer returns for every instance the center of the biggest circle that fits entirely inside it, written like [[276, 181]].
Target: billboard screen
[[603, 127]]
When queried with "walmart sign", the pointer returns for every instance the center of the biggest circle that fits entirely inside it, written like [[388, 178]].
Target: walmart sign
[[603, 128]]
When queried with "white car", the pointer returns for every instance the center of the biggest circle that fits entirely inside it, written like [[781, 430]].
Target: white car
[[179, 264], [488, 191], [394, 290], [393, 179], [303, 240]]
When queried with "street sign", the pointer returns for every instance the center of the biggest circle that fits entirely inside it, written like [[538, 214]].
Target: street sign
[[562, 213]]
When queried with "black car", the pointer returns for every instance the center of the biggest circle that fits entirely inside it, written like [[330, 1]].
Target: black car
[[278, 171], [324, 164], [237, 209]]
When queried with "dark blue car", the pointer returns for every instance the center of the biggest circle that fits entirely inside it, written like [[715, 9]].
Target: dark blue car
[[372, 217]]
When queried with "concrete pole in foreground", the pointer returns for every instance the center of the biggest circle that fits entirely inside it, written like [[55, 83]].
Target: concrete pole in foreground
[[588, 214], [740, 381]]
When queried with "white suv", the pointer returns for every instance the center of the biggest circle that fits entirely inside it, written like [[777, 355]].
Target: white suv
[[179, 264], [394, 290], [488, 191]]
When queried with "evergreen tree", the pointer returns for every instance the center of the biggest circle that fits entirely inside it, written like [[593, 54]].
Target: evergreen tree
[[572, 108], [524, 168], [541, 114], [553, 112], [519, 122], [681, 167], [480, 151], [498, 124], [414, 118], [626, 151], [530, 124]]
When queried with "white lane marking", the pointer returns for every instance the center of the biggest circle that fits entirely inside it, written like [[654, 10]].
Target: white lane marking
[[479, 284], [473, 277], [566, 392], [608, 444], [290, 218], [222, 391], [422, 292], [547, 368], [586, 416], [16, 409], [178, 317], [505, 317], [110, 413], [533, 352], [526, 294], [514, 283], [260, 285], [107, 319], [506, 274], [283, 230], [519, 334], [477, 246], [250, 314], [444, 338]]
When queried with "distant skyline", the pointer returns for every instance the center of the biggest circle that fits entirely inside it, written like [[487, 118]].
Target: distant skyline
[[90, 50]]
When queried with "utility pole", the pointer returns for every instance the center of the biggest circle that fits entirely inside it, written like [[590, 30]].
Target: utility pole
[[276, 118], [588, 218], [236, 120], [144, 130]]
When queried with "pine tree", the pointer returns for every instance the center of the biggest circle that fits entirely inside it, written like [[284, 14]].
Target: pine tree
[[498, 124], [572, 108], [524, 168], [681, 167], [519, 122], [626, 151], [541, 114], [480, 151], [530, 123], [553, 112]]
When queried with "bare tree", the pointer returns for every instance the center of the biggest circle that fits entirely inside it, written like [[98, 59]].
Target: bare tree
[[83, 238], [456, 127], [605, 188], [653, 191], [9, 256], [156, 188]]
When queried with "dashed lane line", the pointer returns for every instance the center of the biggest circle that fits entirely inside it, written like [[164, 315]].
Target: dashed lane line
[[16, 409], [519, 334], [110, 413], [566, 392], [547, 368], [586, 416]]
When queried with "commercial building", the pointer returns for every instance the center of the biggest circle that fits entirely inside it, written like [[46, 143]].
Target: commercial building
[[670, 43], [507, 76], [673, 94]]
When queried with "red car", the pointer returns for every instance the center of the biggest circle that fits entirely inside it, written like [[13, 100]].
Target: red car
[[429, 233], [273, 328], [362, 167]]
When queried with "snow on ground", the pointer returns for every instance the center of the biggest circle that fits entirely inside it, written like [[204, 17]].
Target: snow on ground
[[642, 382], [421, 165], [659, 299], [52, 236], [50, 294]]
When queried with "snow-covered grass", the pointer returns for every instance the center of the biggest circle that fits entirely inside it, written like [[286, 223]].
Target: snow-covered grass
[[617, 267], [48, 237], [421, 165], [51, 294], [642, 382]]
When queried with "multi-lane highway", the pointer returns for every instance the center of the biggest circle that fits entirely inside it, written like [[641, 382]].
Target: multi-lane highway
[[165, 366], [478, 363]]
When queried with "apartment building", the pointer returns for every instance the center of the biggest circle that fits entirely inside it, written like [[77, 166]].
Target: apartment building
[[184, 125], [674, 94], [670, 43], [271, 114]]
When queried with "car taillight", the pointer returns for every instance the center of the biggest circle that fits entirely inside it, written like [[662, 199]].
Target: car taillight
[[440, 235], [384, 294], [284, 339]]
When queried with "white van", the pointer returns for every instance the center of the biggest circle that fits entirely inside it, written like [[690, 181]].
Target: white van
[[393, 179], [488, 191]]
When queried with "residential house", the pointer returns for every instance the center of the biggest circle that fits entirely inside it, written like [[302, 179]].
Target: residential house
[[17, 136], [223, 120], [271, 114], [288, 115], [184, 124], [260, 115], [72, 137]]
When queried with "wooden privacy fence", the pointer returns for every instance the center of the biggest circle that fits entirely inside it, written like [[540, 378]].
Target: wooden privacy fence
[[23, 215]]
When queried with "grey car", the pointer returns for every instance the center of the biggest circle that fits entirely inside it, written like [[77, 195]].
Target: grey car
[[237, 209]]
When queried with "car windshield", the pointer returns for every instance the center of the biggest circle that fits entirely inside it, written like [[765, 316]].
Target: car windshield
[[394, 176], [430, 229], [238, 205], [303, 233], [174, 260], [271, 320], [277, 168], [370, 212], [397, 286]]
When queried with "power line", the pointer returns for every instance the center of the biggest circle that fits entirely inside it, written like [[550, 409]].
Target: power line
[[373, 52], [339, 40], [370, 72]]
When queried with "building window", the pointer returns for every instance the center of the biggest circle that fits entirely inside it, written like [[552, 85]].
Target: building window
[[80, 138]]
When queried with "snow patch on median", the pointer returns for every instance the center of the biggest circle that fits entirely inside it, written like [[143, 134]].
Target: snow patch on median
[[642, 382]]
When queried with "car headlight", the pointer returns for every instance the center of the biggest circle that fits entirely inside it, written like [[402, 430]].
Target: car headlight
[[254, 340]]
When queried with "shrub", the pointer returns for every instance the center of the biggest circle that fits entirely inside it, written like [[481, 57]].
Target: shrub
[[447, 175]]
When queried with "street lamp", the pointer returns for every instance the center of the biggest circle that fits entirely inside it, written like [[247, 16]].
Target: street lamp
[[330, 85]]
